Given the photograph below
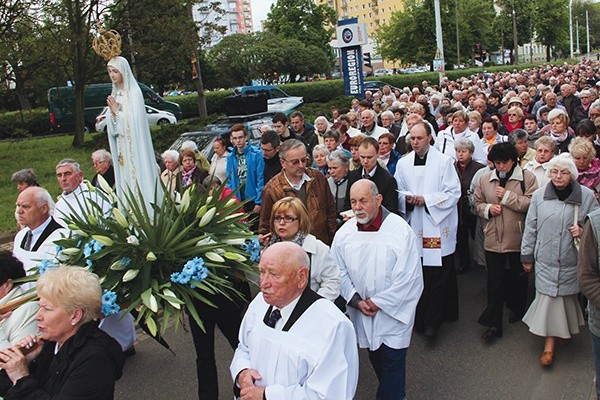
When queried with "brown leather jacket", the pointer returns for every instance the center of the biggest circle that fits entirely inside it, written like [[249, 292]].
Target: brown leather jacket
[[319, 203]]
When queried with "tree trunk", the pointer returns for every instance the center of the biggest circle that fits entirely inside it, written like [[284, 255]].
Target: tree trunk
[[20, 88], [202, 111], [548, 54]]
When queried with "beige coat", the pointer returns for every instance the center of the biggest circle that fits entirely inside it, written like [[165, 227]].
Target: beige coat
[[503, 233]]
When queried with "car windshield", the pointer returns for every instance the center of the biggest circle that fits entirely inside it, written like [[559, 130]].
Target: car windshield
[[202, 140]]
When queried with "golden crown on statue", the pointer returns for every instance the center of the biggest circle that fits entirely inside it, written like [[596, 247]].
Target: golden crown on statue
[[107, 44]]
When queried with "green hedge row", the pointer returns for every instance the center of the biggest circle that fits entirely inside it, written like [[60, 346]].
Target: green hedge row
[[17, 124], [22, 124]]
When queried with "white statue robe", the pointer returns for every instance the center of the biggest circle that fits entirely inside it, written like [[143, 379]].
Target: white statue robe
[[316, 358], [130, 141], [384, 266], [437, 181], [78, 203]]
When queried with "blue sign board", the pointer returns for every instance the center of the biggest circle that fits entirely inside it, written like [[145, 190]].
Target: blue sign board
[[352, 70]]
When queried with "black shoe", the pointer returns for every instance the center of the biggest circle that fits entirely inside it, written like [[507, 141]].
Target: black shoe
[[492, 333], [512, 318], [430, 332], [129, 352]]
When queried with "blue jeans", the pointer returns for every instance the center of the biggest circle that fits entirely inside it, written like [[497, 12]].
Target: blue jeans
[[390, 367], [596, 354]]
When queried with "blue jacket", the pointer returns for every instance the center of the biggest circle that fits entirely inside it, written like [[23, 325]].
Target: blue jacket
[[254, 176]]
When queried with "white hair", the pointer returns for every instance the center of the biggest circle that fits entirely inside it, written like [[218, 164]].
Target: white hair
[[172, 155], [563, 160], [189, 144]]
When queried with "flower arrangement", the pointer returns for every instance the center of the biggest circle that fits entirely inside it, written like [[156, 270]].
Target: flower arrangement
[[160, 260]]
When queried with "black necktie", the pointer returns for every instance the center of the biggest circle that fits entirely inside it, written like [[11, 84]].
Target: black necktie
[[27, 244], [366, 176], [273, 318]]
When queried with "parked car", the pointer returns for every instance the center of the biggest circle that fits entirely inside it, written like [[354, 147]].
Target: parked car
[[382, 72], [61, 104], [154, 116], [221, 128]]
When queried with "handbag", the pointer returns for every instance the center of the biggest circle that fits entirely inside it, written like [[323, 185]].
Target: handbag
[[575, 222]]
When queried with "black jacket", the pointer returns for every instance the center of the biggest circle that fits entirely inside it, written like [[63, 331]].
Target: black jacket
[[86, 367], [385, 183]]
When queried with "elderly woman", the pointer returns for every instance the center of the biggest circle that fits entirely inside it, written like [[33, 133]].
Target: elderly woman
[[73, 358], [169, 175], [466, 168], [490, 134], [555, 219], [475, 122], [320, 154], [588, 166], [218, 163], [290, 222], [189, 172], [103, 165], [24, 178], [502, 197], [321, 126], [544, 151], [20, 322], [515, 119], [559, 130], [338, 162]]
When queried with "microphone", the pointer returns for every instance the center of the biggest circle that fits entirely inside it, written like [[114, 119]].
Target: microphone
[[502, 176]]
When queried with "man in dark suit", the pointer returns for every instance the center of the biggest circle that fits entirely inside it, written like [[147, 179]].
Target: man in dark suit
[[386, 184]]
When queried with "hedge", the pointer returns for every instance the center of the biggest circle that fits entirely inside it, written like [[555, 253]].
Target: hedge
[[17, 124], [21, 124]]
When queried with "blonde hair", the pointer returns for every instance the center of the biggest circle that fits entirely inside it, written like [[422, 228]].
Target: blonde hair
[[580, 147], [297, 207], [72, 288]]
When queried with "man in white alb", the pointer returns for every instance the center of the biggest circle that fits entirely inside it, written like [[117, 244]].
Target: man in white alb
[[294, 344]]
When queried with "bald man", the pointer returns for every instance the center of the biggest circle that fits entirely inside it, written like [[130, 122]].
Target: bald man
[[294, 344], [36, 240]]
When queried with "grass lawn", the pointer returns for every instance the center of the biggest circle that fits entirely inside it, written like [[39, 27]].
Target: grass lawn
[[41, 154]]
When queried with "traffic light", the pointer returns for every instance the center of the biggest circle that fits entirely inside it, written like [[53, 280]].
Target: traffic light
[[477, 50], [367, 60]]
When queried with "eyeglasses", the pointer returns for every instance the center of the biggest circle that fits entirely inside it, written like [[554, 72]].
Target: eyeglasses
[[287, 219], [298, 161], [513, 115], [99, 162], [557, 172]]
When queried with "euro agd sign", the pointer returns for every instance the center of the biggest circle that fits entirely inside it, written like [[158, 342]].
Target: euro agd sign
[[351, 35]]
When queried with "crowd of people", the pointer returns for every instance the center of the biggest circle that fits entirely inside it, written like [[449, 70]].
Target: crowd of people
[[372, 212]]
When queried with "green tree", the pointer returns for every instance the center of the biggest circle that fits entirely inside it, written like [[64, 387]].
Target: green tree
[[551, 24], [233, 60], [304, 20]]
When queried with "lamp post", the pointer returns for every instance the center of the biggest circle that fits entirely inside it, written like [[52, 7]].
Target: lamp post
[[571, 25], [438, 35], [515, 41]]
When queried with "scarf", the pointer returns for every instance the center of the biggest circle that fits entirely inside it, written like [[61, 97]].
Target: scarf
[[298, 239], [590, 178], [560, 138], [186, 176]]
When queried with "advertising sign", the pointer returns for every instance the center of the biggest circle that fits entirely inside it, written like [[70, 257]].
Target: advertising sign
[[353, 71]]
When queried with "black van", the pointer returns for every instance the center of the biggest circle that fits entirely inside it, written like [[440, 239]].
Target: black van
[[61, 104]]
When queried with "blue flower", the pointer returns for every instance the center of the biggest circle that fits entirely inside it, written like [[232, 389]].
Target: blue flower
[[125, 261], [109, 303], [194, 270], [91, 247], [253, 249], [45, 265]]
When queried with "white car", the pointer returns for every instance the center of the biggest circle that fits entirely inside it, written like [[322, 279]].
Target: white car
[[155, 117], [382, 72]]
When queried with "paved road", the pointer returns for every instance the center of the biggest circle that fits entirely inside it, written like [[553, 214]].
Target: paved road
[[457, 366]]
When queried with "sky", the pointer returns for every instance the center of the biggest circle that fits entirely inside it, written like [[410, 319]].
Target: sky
[[260, 9]]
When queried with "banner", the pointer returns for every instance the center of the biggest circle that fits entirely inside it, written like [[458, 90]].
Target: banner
[[352, 70]]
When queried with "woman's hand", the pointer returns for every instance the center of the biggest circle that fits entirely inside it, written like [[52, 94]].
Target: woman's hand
[[264, 239], [528, 267], [495, 210], [575, 231], [30, 346], [14, 363], [113, 105]]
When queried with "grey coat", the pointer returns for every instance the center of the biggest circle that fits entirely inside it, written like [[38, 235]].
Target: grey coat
[[547, 241]]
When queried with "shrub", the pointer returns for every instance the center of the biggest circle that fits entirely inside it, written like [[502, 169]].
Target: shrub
[[189, 102], [18, 124]]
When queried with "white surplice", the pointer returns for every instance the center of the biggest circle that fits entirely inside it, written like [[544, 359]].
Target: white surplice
[[79, 203], [437, 181], [316, 359], [383, 266]]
